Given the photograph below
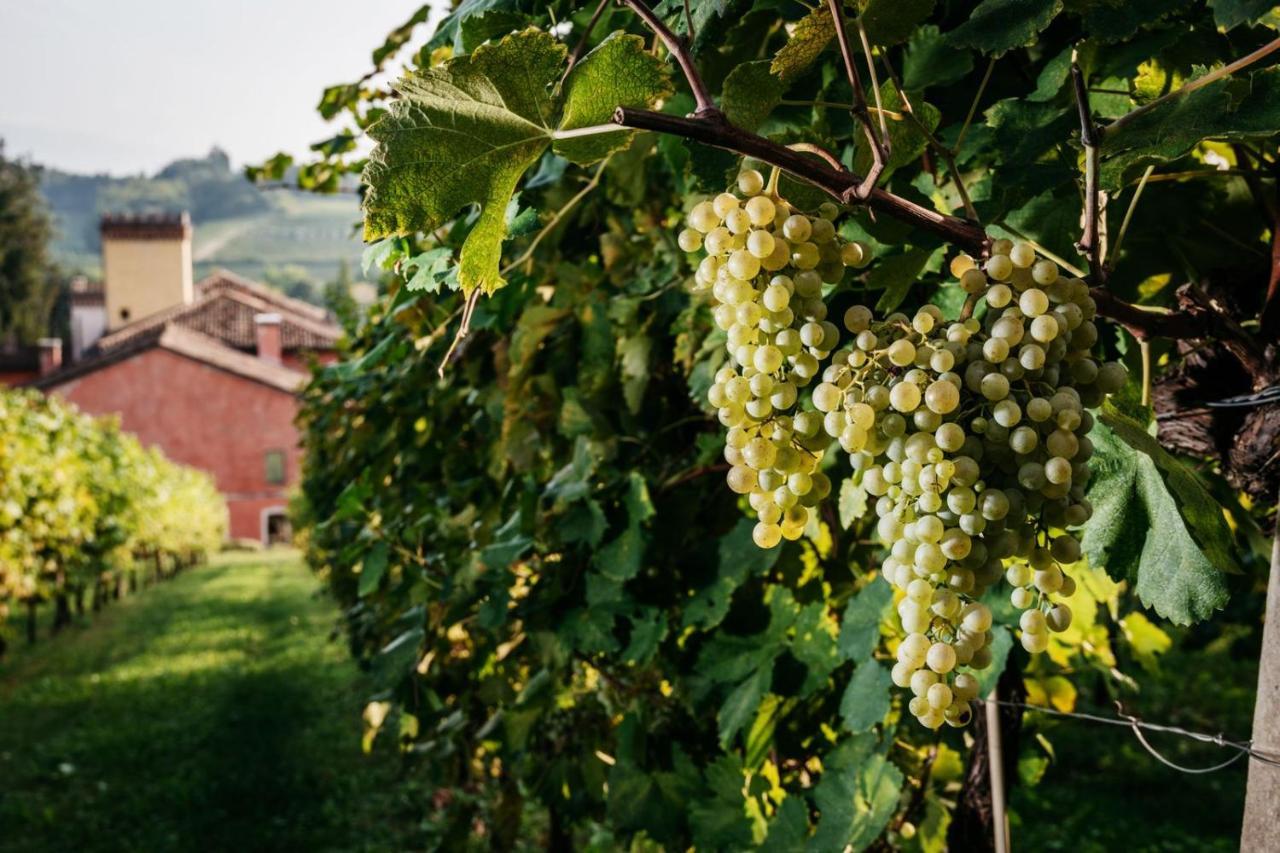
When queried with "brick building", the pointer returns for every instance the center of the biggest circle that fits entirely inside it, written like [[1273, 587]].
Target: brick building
[[209, 371]]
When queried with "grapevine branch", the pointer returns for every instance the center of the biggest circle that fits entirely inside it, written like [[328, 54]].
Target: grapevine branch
[[860, 113], [710, 126]]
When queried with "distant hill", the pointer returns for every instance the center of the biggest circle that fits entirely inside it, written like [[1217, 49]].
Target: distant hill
[[258, 233]]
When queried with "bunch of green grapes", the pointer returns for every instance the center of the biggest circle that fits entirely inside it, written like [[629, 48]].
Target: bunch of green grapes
[[971, 435], [764, 267]]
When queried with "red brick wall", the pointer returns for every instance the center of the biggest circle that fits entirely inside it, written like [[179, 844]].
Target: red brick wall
[[204, 417]]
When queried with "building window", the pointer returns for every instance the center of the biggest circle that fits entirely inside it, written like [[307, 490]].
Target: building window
[[275, 467]]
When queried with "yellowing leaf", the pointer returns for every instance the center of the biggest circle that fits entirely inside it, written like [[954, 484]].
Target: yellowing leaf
[[1146, 639], [618, 73], [809, 38]]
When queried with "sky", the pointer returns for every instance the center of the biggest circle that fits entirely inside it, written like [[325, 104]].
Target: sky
[[125, 86]]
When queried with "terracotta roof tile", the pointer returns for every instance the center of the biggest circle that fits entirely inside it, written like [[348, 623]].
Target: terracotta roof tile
[[185, 342], [225, 308]]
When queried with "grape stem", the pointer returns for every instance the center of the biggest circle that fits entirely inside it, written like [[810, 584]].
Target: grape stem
[[879, 148]]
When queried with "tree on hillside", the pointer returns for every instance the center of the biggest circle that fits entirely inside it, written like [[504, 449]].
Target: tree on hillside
[[292, 280], [338, 297], [28, 282]]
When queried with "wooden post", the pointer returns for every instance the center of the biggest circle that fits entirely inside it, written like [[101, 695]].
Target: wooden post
[[995, 766], [1261, 830]]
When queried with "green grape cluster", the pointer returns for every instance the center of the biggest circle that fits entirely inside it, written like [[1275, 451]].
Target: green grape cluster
[[764, 267], [971, 436]]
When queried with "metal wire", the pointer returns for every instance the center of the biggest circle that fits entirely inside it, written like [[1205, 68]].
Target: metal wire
[[1261, 398], [1137, 726]]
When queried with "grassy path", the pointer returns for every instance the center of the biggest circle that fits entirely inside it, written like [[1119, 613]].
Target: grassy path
[[211, 712]]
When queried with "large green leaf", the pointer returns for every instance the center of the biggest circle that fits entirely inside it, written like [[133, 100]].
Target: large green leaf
[[1174, 552], [464, 133], [890, 22], [896, 274], [866, 698], [1108, 22], [1224, 109], [617, 73], [860, 629], [808, 39], [374, 567], [997, 26], [856, 801], [930, 61], [750, 93], [740, 706], [738, 559], [719, 820], [1228, 14]]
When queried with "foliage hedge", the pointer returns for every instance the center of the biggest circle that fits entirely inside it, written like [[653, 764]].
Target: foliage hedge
[[81, 502], [571, 630]]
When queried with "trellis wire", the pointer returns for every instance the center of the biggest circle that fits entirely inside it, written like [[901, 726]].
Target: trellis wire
[[1137, 726]]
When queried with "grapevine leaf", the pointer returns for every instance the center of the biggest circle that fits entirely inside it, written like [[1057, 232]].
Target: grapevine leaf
[[464, 133], [621, 559], [739, 558], [998, 26], [759, 738], [1229, 14], [750, 93], [1145, 639], [930, 61], [810, 37], [1052, 77], [482, 120], [618, 73], [720, 821], [397, 657], [429, 269], [860, 629], [375, 566], [890, 22], [1201, 511], [740, 705], [1137, 531], [814, 645], [789, 827], [1024, 131], [895, 275], [856, 802], [450, 30], [1224, 109], [866, 698], [1108, 23], [491, 23]]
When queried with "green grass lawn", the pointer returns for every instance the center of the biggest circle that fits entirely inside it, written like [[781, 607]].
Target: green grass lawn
[[211, 712]]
